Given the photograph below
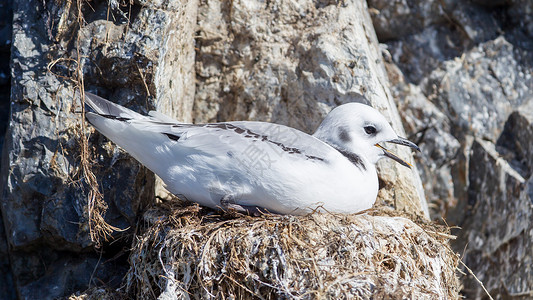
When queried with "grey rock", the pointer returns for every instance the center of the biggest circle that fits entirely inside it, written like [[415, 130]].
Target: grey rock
[[60, 274], [520, 17], [426, 125], [6, 17], [396, 19], [469, 96], [491, 3], [520, 12], [497, 193], [422, 35], [477, 23], [514, 144], [479, 90], [7, 284], [469, 74], [44, 195], [419, 54], [501, 186]]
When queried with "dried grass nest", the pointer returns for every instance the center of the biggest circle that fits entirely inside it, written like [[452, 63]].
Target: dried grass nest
[[185, 253]]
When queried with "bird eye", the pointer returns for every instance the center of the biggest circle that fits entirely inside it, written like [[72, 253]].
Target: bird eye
[[370, 129]]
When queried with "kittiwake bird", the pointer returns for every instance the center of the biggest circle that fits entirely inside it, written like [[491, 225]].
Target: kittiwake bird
[[258, 166]]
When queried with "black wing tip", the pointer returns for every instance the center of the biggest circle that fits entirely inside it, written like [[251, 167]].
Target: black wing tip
[[172, 136], [107, 109], [96, 103], [92, 116], [113, 117]]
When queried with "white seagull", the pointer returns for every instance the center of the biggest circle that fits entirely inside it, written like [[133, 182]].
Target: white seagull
[[257, 166]]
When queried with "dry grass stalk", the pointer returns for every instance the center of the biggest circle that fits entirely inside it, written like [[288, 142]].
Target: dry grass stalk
[[96, 207], [185, 254], [97, 294]]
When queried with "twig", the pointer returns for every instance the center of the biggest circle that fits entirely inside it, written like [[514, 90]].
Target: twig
[[475, 277]]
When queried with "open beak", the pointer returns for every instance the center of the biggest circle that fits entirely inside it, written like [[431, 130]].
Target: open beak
[[399, 141]]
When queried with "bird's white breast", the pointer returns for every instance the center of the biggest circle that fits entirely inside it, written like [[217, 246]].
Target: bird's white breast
[[288, 185]]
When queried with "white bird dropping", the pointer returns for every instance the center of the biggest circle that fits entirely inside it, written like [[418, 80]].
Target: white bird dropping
[[251, 166]]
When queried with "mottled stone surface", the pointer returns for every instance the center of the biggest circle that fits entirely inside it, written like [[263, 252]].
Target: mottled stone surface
[[480, 89], [497, 193], [514, 142], [520, 27], [450, 29], [142, 56], [431, 130], [399, 18], [6, 17], [465, 86]]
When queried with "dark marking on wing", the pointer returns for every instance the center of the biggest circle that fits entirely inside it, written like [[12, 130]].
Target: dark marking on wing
[[113, 117], [314, 157], [172, 136], [353, 158], [225, 126], [250, 134]]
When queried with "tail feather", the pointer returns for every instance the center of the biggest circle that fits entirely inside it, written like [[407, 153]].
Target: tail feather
[[129, 130], [107, 108]]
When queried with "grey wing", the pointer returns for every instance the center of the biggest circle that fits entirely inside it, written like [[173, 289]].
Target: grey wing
[[259, 137], [215, 139]]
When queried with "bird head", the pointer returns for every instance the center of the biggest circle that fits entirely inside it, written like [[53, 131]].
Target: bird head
[[361, 129]]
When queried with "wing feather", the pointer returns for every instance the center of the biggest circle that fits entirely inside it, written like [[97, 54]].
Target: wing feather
[[142, 135]]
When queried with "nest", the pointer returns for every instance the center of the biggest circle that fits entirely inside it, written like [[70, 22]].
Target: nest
[[97, 294], [186, 254]]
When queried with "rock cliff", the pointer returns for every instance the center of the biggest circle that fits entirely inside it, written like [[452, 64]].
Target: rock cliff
[[457, 75]]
